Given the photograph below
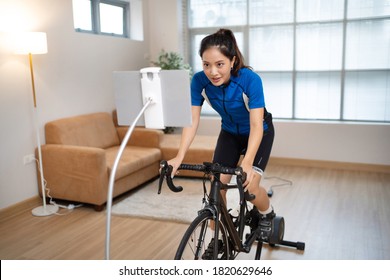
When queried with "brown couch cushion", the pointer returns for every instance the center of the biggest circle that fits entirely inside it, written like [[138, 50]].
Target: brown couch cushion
[[132, 159], [201, 149], [92, 130]]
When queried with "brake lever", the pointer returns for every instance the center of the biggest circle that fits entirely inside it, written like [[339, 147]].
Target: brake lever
[[249, 196], [241, 178], [166, 171], [170, 183], [163, 172]]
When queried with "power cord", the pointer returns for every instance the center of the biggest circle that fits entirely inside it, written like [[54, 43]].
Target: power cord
[[271, 191], [70, 207]]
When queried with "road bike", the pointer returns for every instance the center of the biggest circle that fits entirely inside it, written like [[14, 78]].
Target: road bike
[[215, 234]]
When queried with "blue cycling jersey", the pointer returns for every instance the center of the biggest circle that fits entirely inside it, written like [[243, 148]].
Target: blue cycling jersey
[[233, 100]]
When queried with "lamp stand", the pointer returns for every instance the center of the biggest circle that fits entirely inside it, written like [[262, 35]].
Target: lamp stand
[[44, 210], [112, 176]]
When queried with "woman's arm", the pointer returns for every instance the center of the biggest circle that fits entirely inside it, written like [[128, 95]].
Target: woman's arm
[[187, 137]]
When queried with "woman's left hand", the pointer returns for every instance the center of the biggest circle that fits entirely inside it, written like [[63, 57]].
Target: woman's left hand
[[247, 168]]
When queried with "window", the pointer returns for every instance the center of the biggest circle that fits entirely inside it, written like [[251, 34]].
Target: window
[[107, 17], [318, 59]]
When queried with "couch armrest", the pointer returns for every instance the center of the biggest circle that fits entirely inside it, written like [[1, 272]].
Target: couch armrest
[[142, 137], [75, 172]]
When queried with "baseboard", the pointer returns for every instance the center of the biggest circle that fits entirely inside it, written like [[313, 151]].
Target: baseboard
[[331, 164], [22, 206]]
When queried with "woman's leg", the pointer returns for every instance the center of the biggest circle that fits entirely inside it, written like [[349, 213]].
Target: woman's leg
[[227, 153], [261, 200], [225, 178]]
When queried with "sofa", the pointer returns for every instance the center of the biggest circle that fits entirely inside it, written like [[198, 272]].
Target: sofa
[[80, 152]]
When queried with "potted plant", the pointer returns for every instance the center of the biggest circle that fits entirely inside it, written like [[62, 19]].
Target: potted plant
[[171, 61]]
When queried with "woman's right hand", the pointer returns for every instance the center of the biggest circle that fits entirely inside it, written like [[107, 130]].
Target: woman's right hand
[[175, 163]]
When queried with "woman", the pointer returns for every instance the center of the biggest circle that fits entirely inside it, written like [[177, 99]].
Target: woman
[[236, 93]]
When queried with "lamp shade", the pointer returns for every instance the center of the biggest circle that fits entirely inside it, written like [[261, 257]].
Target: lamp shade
[[30, 42]]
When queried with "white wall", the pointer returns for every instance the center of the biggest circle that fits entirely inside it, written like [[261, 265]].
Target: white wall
[[74, 77], [164, 32]]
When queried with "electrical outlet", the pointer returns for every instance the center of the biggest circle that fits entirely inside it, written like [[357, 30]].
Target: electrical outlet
[[28, 159]]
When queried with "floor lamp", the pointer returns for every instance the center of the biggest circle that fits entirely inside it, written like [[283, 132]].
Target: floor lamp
[[35, 43]]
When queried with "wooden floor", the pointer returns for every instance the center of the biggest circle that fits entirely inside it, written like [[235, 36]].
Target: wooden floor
[[338, 214]]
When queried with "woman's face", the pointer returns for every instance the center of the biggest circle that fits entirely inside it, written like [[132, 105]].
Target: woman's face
[[216, 66]]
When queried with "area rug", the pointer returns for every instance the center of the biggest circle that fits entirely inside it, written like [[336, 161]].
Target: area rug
[[181, 207]]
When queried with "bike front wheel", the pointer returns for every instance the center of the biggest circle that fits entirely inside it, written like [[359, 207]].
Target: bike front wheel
[[198, 241]]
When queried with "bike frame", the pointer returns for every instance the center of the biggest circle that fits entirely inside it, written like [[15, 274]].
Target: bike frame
[[217, 207]]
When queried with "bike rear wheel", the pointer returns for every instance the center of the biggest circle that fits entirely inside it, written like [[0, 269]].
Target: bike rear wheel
[[198, 241]]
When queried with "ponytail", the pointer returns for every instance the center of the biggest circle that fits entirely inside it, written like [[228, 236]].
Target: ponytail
[[225, 41]]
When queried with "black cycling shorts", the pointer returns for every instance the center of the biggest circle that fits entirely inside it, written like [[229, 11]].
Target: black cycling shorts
[[230, 147]]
